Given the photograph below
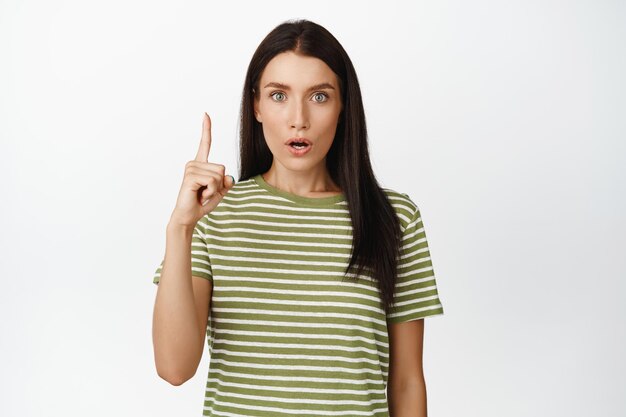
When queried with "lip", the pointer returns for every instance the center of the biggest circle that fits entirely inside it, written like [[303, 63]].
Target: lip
[[304, 140], [299, 152]]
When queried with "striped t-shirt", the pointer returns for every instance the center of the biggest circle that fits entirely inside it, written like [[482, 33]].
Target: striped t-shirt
[[286, 335]]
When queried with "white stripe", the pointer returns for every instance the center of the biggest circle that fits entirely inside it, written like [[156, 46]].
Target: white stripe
[[281, 207], [290, 335], [296, 368], [302, 325], [413, 233], [283, 261], [414, 281], [414, 243], [282, 271], [297, 357], [419, 300], [347, 284], [246, 214], [359, 382], [276, 233], [286, 242], [308, 314], [268, 300], [415, 262], [266, 251], [413, 272], [416, 310], [347, 294]]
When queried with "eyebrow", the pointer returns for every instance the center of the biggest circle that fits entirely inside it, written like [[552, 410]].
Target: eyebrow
[[320, 86]]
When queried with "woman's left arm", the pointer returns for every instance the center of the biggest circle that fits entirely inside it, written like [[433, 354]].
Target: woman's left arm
[[406, 388]]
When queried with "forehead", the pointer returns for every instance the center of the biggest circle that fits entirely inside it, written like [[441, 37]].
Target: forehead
[[297, 71]]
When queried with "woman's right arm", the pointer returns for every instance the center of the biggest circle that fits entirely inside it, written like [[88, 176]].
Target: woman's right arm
[[182, 304], [181, 310]]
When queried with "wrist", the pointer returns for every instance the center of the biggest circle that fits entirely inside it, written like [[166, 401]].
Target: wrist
[[176, 227]]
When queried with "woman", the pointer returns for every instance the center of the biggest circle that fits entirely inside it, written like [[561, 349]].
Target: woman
[[291, 272]]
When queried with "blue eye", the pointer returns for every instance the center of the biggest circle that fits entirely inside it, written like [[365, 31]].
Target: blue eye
[[277, 94], [323, 95]]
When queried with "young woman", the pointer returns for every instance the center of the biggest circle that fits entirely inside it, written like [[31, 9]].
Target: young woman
[[309, 280]]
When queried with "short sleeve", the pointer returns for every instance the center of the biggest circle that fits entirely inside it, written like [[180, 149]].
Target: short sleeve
[[200, 261], [416, 294]]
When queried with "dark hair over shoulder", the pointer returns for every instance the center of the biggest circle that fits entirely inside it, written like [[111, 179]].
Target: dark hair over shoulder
[[376, 227]]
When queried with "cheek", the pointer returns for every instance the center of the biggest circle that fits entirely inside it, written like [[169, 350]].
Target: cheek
[[328, 123], [272, 119], [273, 132]]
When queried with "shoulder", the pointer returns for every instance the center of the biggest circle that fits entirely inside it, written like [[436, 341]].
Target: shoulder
[[405, 207]]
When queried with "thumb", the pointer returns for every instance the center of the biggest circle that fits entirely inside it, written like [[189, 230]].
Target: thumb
[[229, 181]]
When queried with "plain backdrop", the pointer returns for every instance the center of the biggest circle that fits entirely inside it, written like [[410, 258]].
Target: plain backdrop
[[505, 121]]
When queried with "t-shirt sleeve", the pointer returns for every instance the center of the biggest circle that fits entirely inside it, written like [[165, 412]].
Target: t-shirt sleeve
[[200, 261], [416, 294]]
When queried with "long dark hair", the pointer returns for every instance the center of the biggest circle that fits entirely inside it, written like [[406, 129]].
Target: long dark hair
[[375, 225]]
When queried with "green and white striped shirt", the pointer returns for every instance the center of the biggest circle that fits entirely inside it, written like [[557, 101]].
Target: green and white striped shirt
[[286, 334]]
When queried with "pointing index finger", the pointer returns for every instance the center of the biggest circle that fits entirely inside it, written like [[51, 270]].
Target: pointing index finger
[[205, 141]]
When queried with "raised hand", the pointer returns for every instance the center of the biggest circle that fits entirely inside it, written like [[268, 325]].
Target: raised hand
[[204, 183]]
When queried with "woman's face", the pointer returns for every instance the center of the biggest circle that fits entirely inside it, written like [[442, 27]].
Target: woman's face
[[298, 97]]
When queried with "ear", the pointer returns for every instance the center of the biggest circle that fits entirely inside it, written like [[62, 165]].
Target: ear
[[257, 114]]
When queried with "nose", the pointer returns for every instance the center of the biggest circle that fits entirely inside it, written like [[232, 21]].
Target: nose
[[299, 118]]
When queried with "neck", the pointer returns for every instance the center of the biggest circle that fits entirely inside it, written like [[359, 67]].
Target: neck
[[303, 183]]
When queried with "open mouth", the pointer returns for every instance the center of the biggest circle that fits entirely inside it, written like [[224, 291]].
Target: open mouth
[[299, 145]]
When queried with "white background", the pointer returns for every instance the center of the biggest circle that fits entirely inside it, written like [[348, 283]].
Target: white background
[[504, 121]]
